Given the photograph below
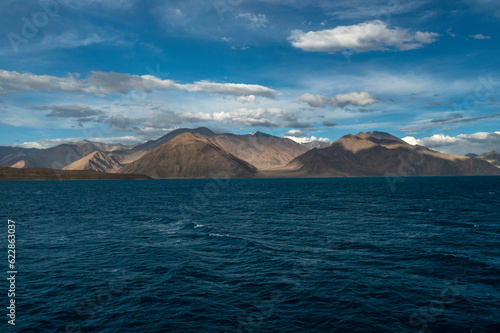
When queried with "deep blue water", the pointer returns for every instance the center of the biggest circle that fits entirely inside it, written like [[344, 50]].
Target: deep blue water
[[261, 255]]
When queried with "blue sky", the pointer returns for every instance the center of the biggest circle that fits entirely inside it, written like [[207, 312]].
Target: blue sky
[[129, 71]]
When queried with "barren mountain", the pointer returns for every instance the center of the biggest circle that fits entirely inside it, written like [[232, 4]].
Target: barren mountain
[[104, 146], [9, 155], [125, 157], [150, 145], [96, 161], [381, 154], [491, 157], [260, 149], [51, 174], [190, 156]]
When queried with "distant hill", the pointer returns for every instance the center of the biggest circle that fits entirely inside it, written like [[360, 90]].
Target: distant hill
[[315, 144], [106, 147], [56, 157], [260, 149], [492, 157], [381, 154], [10, 155], [7, 173], [190, 156]]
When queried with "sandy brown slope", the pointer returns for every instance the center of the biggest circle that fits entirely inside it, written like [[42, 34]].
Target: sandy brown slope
[[261, 150], [190, 156], [7, 173], [96, 161], [365, 154]]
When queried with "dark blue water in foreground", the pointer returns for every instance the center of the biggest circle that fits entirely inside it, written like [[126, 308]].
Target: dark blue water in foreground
[[263, 255]]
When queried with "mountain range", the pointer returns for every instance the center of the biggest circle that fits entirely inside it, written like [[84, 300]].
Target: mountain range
[[202, 153], [381, 154]]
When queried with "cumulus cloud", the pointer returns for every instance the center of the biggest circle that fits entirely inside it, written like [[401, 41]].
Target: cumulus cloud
[[246, 99], [480, 36], [296, 133], [363, 37], [362, 98], [102, 83], [260, 117], [462, 144], [48, 143], [307, 140], [256, 21]]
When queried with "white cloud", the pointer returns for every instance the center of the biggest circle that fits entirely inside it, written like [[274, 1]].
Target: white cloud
[[256, 21], [363, 37], [307, 140], [296, 133], [462, 144], [102, 83], [410, 140], [260, 117], [480, 36], [237, 89], [246, 99], [14, 81], [362, 98], [47, 143]]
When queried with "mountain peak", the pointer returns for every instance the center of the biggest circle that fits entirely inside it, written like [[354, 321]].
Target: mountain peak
[[384, 136], [189, 137], [150, 145], [261, 134], [378, 135]]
